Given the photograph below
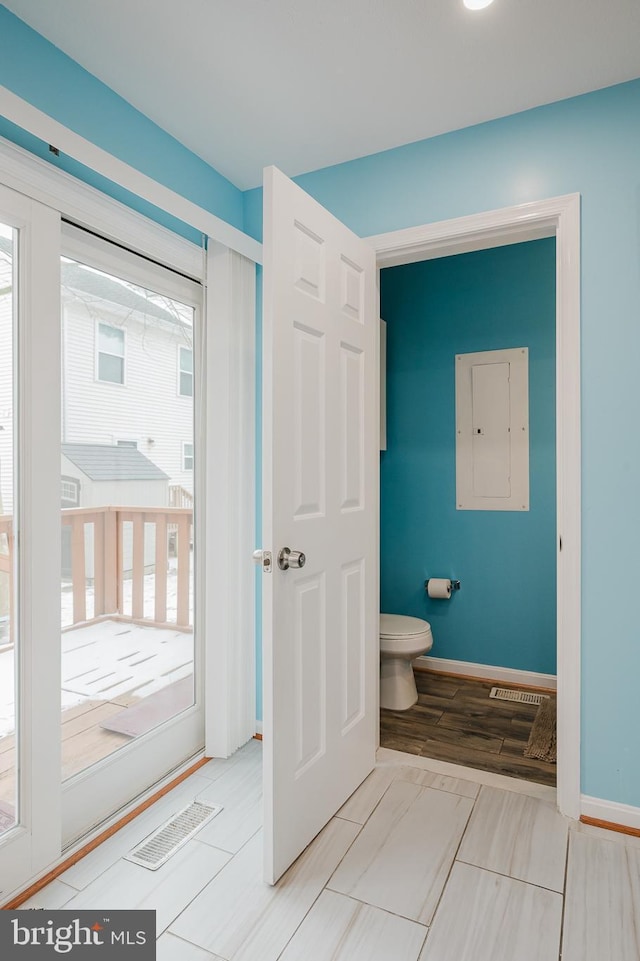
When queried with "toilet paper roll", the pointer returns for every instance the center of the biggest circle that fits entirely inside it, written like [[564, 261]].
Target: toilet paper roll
[[439, 587]]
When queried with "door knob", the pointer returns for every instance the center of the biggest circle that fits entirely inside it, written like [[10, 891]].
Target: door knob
[[293, 559]]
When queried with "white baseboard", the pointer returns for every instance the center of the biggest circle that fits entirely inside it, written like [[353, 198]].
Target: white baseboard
[[489, 671], [623, 814], [258, 727]]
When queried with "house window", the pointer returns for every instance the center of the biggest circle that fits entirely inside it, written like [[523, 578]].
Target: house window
[[127, 443], [187, 456], [69, 492], [110, 354], [185, 374]]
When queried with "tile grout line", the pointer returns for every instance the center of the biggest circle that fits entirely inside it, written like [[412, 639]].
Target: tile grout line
[[509, 877], [444, 790], [453, 861], [323, 888], [185, 941], [207, 883], [542, 887], [403, 917], [564, 896], [477, 777], [376, 805], [376, 907]]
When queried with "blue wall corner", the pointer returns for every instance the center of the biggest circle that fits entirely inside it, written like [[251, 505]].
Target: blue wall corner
[[36, 70], [252, 213], [505, 613]]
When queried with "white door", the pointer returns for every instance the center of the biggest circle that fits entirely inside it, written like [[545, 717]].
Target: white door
[[320, 497]]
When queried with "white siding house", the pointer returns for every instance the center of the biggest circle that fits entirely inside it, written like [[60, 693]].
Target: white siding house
[[118, 331], [127, 376]]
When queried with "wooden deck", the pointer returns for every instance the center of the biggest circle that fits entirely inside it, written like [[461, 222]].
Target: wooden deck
[[84, 742], [107, 667]]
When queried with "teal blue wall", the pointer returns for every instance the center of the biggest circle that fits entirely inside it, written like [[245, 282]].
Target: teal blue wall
[[505, 612], [41, 74], [590, 145]]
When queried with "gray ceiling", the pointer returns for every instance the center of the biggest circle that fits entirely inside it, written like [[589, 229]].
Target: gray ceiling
[[307, 83]]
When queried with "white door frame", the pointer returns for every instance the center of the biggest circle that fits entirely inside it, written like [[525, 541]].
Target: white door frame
[[557, 217], [34, 842]]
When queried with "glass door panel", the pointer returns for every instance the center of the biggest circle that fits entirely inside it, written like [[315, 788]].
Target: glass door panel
[[127, 463], [8, 626]]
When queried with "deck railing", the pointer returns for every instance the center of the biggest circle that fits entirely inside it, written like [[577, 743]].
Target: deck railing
[[179, 496], [6, 568], [107, 545]]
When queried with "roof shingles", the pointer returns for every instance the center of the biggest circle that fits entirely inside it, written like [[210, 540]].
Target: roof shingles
[[105, 462]]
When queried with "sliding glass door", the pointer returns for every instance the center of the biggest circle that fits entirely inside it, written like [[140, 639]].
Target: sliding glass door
[[128, 469], [100, 664]]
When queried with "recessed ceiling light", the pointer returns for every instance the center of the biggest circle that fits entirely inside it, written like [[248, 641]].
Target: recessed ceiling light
[[476, 4]]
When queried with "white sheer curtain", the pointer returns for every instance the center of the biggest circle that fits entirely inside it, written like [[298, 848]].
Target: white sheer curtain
[[228, 382]]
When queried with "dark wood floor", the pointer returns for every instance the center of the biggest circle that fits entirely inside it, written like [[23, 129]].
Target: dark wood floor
[[456, 720]]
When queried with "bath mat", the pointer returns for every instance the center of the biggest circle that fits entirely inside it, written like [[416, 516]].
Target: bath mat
[[542, 739], [153, 710]]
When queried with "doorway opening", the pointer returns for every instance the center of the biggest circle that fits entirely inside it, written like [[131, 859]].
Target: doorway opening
[[557, 218], [467, 491]]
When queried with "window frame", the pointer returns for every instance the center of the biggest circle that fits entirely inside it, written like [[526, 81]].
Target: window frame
[[182, 371], [70, 481], [185, 444], [121, 330]]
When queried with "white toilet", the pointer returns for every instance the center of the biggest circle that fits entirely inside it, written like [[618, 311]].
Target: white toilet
[[402, 639]]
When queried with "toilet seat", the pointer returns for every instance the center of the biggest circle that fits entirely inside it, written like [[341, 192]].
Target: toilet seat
[[401, 625], [404, 636]]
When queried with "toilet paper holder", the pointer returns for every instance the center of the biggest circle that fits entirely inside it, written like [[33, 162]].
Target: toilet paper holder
[[455, 585]]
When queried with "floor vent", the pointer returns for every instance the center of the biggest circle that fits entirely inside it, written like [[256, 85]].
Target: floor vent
[[172, 835], [523, 697]]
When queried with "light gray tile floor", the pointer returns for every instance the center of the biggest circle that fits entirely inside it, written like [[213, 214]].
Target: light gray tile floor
[[402, 858], [519, 836], [426, 862], [488, 917], [602, 904]]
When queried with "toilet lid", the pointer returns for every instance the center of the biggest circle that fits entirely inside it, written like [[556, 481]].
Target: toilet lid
[[395, 625]]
